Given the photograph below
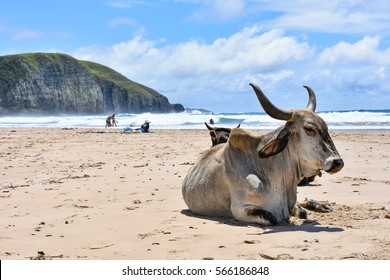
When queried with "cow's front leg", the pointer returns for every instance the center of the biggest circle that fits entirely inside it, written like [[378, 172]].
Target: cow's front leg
[[253, 214]]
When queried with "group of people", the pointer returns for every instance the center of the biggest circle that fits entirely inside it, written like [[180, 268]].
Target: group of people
[[111, 121]]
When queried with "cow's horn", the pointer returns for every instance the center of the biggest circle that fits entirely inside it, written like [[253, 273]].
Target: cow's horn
[[208, 127], [270, 108], [312, 104], [219, 128]]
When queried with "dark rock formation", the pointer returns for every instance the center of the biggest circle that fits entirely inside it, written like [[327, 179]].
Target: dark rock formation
[[45, 83]]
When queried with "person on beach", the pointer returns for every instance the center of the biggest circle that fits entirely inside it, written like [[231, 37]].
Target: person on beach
[[110, 121], [144, 128]]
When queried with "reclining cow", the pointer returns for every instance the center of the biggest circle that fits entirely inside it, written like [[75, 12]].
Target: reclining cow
[[254, 178]]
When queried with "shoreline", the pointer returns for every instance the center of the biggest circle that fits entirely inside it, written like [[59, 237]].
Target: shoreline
[[81, 193], [339, 120], [119, 129]]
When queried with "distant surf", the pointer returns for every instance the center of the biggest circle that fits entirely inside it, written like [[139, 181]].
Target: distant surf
[[348, 120]]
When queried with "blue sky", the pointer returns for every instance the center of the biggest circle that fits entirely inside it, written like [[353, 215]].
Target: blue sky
[[204, 53]]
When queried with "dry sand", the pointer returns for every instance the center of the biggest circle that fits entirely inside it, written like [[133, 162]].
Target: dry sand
[[103, 194]]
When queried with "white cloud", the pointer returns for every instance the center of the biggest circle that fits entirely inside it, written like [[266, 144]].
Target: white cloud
[[138, 29], [21, 34], [219, 10], [352, 75], [331, 16], [125, 4], [122, 21], [192, 69], [242, 53], [363, 51]]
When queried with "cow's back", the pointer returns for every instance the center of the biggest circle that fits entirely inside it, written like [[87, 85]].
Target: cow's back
[[205, 188]]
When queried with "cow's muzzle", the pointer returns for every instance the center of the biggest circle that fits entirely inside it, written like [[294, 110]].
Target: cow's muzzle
[[335, 165]]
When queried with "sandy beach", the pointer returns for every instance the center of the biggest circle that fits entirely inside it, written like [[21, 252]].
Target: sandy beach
[[104, 194]]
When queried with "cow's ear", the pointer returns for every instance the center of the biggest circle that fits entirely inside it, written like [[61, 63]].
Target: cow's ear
[[213, 134], [276, 145]]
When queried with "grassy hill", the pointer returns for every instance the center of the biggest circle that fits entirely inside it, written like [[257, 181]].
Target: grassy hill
[[59, 83]]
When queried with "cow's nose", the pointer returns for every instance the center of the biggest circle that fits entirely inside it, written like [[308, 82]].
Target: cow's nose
[[337, 165]]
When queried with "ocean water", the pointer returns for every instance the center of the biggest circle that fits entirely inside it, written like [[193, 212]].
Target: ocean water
[[344, 120]]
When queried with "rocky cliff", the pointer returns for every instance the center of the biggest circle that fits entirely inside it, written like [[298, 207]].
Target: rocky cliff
[[46, 83]]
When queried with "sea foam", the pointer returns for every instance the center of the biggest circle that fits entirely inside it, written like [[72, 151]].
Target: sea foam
[[375, 119]]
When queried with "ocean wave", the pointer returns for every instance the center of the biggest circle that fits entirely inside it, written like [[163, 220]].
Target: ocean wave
[[358, 119], [226, 120]]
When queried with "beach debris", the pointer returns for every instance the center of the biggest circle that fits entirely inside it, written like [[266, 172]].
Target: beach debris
[[284, 256], [267, 257], [5, 196], [130, 208], [313, 241], [141, 165], [79, 177], [82, 206], [144, 235], [356, 256], [377, 209], [42, 256], [251, 241], [12, 186], [101, 247]]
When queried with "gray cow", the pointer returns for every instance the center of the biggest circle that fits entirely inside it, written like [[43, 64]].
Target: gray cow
[[254, 178]]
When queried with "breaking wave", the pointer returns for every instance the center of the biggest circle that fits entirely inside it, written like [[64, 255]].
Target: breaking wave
[[361, 119]]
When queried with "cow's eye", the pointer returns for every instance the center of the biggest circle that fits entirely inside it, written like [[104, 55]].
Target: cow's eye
[[310, 130]]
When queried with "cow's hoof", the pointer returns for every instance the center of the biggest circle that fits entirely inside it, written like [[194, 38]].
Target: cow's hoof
[[302, 214], [299, 212], [325, 208], [316, 206]]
